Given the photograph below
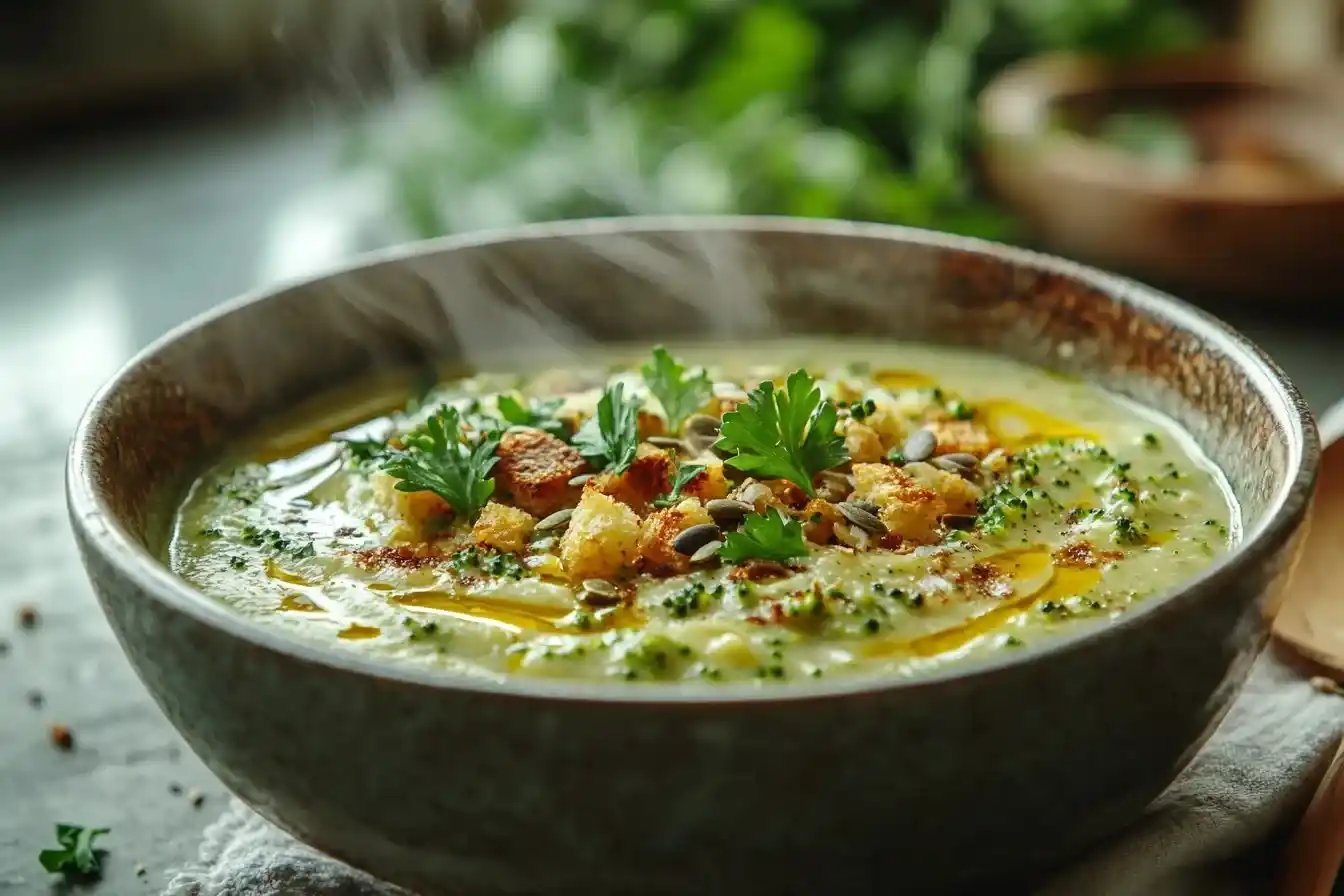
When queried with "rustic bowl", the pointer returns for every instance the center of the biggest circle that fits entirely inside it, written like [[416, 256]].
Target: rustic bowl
[[1232, 227], [996, 771]]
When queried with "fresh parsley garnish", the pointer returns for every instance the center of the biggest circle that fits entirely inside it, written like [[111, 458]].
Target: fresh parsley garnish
[[767, 536], [538, 414], [681, 394], [364, 451], [76, 854], [610, 437], [685, 473], [784, 435], [437, 460]]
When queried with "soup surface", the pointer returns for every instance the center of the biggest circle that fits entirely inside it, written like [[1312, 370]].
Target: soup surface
[[786, 510]]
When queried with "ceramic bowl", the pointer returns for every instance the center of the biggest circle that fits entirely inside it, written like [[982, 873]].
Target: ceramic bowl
[[993, 772]]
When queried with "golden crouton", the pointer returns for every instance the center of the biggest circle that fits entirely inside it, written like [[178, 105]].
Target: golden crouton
[[819, 519], [907, 508], [503, 528], [650, 425], [656, 553], [778, 493], [862, 442], [416, 512], [602, 540], [648, 477], [957, 494], [534, 470], [962, 436], [889, 427], [708, 484]]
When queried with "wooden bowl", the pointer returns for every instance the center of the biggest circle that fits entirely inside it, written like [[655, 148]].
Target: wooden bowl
[[1258, 212]]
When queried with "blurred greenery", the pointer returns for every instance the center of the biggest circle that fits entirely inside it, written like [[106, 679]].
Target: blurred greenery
[[835, 108]]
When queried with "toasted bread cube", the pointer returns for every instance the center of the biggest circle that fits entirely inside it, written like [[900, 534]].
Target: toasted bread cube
[[648, 477], [650, 424], [962, 437], [907, 508], [534, 470], [957, 494], [863, 443], [819, 519], [778, 493], [889, 427], [415, 512], [661, 529], [602, 540], [503, 528], [708, 484]]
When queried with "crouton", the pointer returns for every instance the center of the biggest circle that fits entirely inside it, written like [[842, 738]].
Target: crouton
[[602, 540], [958, 495], [907, 508], [648, 477], [708, 484], [503, 528], [534, 470], [656, 553], [863, 443], [819, 519], [778, 493], [962, 437], [889, 427], [418, 514], [650, 425]]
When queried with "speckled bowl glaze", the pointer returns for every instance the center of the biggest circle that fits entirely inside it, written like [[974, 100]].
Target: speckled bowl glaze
[[994, 772]]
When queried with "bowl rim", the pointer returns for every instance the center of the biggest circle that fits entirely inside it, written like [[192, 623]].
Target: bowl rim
[[102, 533], [1013, 110]]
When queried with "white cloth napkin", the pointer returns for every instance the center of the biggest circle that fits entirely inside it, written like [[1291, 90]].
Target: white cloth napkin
[[1254, 775]]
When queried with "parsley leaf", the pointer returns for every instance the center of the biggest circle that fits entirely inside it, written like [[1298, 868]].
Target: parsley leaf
[[685, 473], [436, 460], [680, 394], [610, 437], [768, 536], [76, 854], [538, 414], [784, 435], [364, 451]]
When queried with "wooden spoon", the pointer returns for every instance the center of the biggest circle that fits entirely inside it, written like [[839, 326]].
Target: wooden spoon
[[1310, 620]]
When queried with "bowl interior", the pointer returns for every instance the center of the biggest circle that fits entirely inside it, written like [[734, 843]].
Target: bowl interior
[[546, 292]]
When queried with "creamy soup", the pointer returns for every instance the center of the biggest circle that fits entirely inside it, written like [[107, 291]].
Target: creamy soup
[[767, 512]]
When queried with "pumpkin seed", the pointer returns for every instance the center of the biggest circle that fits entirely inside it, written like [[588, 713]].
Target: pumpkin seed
[[542, 545], [557, 520], [753, 492], [580, 479], [866, 505], [834, 486], [861, 517], [961, 458], [707, 550], [959, 520], [669, 442], [694, 538], [600, 592], [946, 464], [728, 511], [920, 446]]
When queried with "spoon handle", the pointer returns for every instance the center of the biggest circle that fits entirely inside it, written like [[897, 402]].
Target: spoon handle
[[1314, 856]]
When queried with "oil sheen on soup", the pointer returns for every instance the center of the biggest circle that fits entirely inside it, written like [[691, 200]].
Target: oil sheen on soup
[[767, 513]]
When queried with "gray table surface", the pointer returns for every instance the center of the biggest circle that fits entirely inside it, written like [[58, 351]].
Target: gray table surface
[[103, 247]]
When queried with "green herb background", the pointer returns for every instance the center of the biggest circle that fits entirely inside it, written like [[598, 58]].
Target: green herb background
[[831, 108]]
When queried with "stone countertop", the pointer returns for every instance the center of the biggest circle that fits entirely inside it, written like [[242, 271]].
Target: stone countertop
[[103, 247]]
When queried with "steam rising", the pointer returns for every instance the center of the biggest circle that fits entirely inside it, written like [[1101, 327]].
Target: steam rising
[[499, 308]]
